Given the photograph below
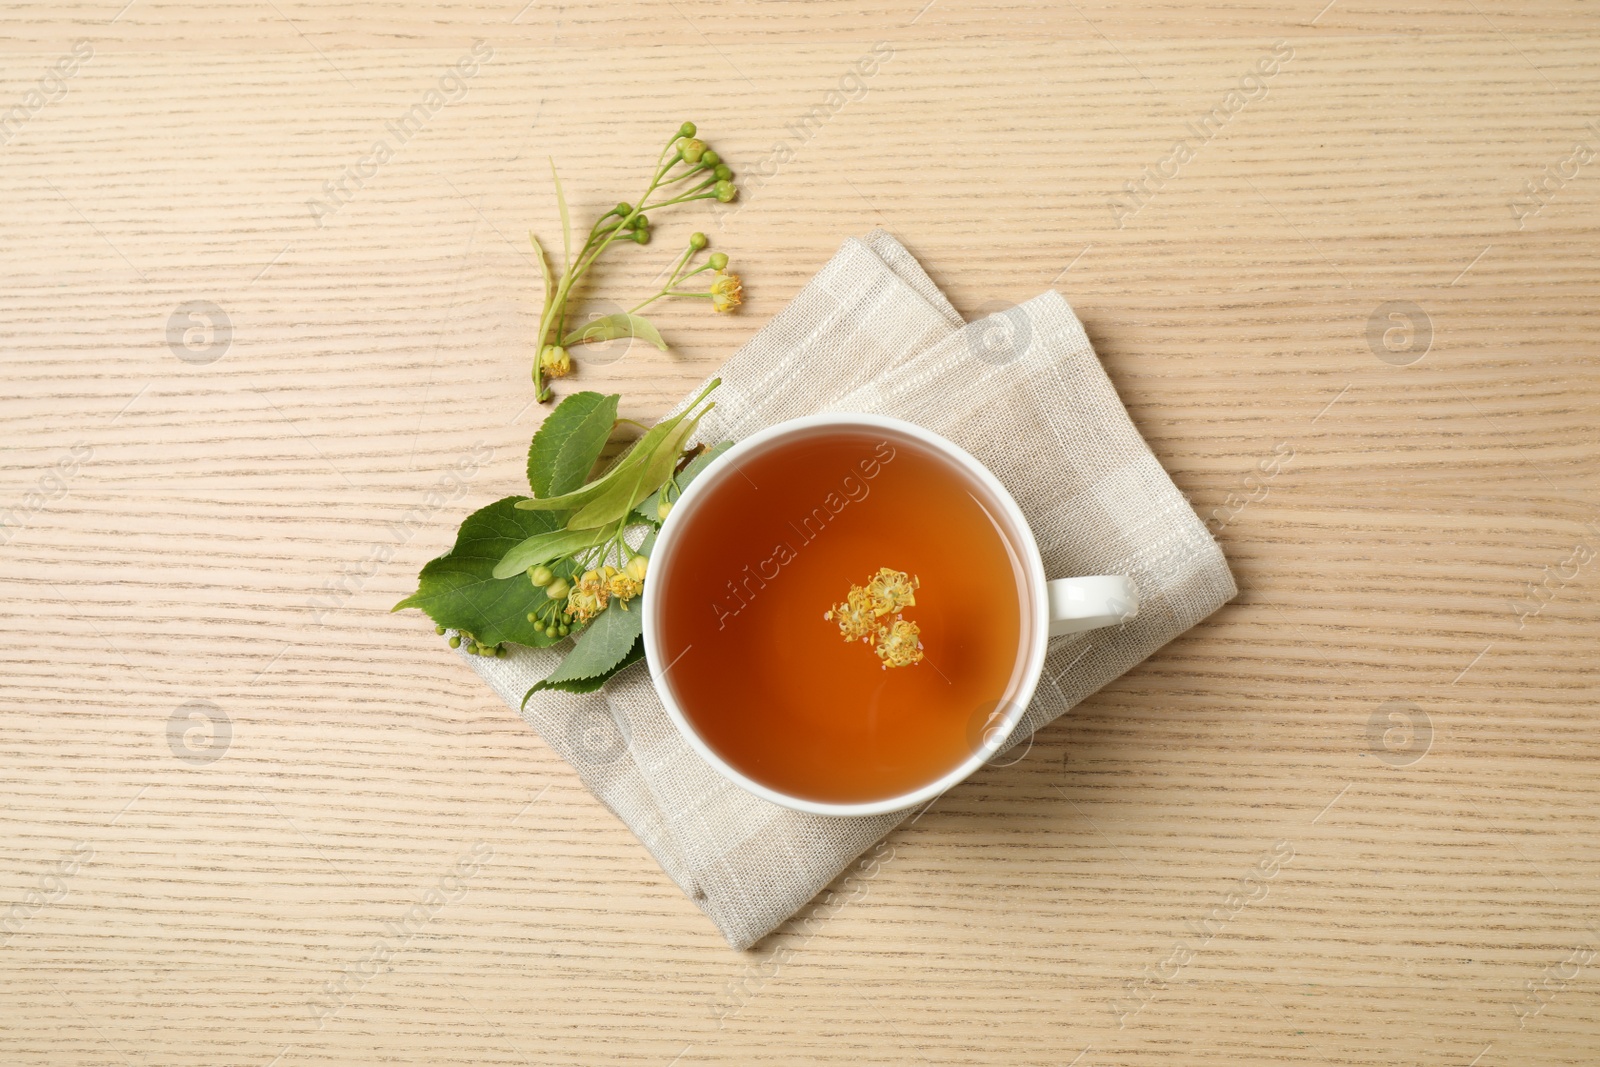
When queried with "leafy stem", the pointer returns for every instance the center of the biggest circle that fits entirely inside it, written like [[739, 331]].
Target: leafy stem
[[682, 158]]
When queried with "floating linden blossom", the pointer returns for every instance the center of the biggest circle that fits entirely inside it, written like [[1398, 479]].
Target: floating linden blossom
[[892, 591], [857, 616], [900, 645], [861, 617]]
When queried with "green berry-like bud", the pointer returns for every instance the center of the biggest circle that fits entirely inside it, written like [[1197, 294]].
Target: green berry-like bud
[[622, 208], [723, 172], [641, 236], [558, 589], [637, 567], [718, 260], [698, 240], [725, 191], [641, 221], [563, 629], [692, 150], [709, 158], [439, 630], [541, 576], [535, 620], [455, 640], [686, 130], [664, 509], [500, 651]]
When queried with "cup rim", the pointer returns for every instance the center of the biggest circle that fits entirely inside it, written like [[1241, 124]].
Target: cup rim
[[1032, 562]]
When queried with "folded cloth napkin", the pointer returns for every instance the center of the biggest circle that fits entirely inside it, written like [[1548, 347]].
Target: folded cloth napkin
[[1023, 392]]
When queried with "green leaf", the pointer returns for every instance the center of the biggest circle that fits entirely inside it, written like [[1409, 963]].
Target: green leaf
[[611, 327], [623, 468], [625, 471], [602, 648], [566, 219], [459, 589], [544, 269], [568, 442], [546, 548], [647, 507], [624, 494], [590, 685]]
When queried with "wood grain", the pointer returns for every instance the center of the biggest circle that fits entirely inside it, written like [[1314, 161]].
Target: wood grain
[[175, 526]]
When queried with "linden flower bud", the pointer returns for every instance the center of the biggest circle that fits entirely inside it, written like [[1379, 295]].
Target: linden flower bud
[[710, 158], [718, 260], [641, 236], [557, 590], [725, 190], [723, 172], [637, 566], [900, 645], [727, 292], [541, 576], [686, 130], [663, 509], [698, 240], [622, 208], [692, 150], [555, 361]]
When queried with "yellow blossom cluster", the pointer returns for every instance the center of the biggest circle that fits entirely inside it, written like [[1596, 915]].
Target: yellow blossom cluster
[[595, 589], [864, 616]]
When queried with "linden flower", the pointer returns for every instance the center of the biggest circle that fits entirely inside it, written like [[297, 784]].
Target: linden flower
[[588, 598], [900, 645], [898, 642], [892, 591], [555, 361], [857, 621], [727, 292], [624, 586]]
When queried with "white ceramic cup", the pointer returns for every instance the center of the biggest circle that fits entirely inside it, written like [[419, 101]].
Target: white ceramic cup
[[1055, 607]]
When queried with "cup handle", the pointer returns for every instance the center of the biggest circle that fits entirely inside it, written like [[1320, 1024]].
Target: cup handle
[[1078, 604]]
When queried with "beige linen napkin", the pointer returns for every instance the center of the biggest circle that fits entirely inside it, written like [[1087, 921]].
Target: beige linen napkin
[[1024, 393]]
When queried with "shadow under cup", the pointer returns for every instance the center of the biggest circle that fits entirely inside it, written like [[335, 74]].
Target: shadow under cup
[[765, 542]]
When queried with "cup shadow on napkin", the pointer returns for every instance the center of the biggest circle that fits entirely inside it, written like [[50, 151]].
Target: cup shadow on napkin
[[1024, 393]]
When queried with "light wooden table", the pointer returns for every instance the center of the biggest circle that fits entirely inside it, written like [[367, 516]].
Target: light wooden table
[[1346, 267]]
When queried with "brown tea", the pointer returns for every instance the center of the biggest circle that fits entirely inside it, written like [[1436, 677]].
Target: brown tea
[[764, 676]]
